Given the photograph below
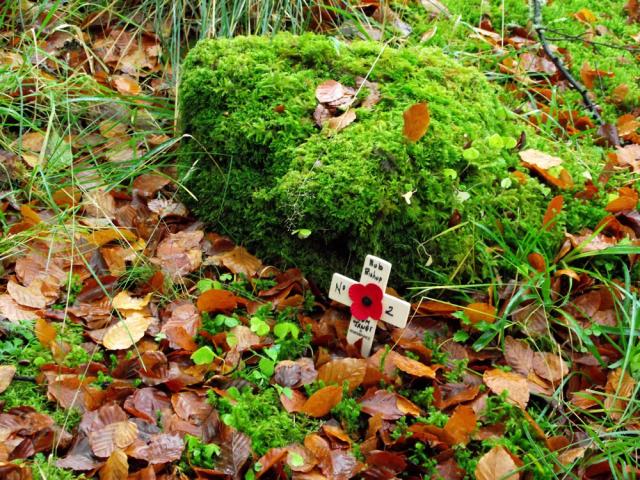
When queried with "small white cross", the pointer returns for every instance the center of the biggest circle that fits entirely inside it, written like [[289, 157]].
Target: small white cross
[[394, 310]]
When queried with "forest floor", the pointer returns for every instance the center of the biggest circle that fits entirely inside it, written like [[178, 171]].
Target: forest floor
[[137, 344]]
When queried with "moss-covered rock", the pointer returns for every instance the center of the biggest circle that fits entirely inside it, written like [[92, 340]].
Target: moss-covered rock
[[262, 170]]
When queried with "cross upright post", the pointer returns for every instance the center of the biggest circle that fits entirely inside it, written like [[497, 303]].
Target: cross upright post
[[368, 301]]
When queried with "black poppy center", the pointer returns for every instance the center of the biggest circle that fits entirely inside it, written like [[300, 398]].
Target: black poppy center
[[366, 301]]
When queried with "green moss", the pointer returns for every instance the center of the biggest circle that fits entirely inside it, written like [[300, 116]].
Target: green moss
[[262, 418], [44, 468], [261, 173]]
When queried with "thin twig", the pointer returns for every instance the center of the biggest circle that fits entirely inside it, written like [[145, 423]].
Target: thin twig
[[580, 38], [538, 26]]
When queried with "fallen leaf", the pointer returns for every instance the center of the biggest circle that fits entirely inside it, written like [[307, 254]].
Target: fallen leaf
[[216, 300], [116, 467], [14, 312], [619, 389], [514, 384], [126, 332], [539, 159], [588, 75], [30, 296], [45, 332], [412, 367], [126, 85], [537, 261], [342, 121], [118, 435], [123, 301], [627, 200], [180, 253], [550, 366], [6, 376], [329, 91], [416, 121], [480, 312], [497, 464], [321, 402], [461, 425], [238, 260], [553, 209], [350, 370]]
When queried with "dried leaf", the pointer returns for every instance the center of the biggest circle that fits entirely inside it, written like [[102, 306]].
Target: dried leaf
[[416, 121], [124, 301], [116, 468], [497, 464], [350, 370], [180, 253], [104, 441], [342, 121], [550, 366], [461, 425], [238, 260], [412, 367], [537, 262], [518, 355], [329, 91], [515, 385], [480, 312], [158, 448], [321, 402], [619, 389], [6, 376], [126, 85], [30, 296], [553, 209], [539, 159], [213, 301], [45, 332], [14, 312], [126, 332], [588, 75]]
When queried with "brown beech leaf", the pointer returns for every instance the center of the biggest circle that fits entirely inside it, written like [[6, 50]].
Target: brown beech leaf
[[126, 332], [273, 457], [104, 441], [294, 402], [416, 121], [619, 390], [14, 312], [180, 253], [6, 376], [553, 209], [389, 405], [480, 312], [148, 184], [550, 366], [321, 402], [30, 296], [295, 374], [497, 464], [627, 200], [235, 449], [518, 355], [214, 301], [537, 262], [45, 332], [539, 159], [350, 370], [183, 325], [342, 121], [329, 91], [516, 385], [237, 260], [588, 75], [158, 448], [124, 301], [126, 85], [116, 467], [461, 425], [413, 367], [146, 402]]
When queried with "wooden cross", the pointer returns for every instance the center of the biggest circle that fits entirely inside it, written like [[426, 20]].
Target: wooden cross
[[365, 297]]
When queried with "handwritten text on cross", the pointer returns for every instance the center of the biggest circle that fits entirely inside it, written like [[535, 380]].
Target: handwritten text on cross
[[394, 311]]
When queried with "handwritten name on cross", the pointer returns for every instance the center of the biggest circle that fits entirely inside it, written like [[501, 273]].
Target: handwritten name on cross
[[368, 301]]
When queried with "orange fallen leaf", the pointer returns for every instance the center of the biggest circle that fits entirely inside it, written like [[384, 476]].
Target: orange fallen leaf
[[350, 370], [480, 312], [320, 403], [515, 385], [461, 425], [588, 75], [342, 121], [126, 85], [412, 367], [537, 261], [216, 300], [627, 200], [553, 209], [416, 121], [116, 467], [45, 332]]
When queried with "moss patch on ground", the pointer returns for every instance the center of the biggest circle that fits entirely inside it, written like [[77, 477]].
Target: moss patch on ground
[[261, 169]]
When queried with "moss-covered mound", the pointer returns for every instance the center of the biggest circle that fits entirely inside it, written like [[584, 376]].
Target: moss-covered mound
[[262, 170]]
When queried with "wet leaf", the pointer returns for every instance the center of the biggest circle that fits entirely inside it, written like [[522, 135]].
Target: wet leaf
[[321, 402], [45, 332], [416, 121], [515, 385], [159, 448], [118, 435], [180, 253]]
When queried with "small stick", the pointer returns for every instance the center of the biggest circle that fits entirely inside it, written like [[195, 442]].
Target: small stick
[[538, 26]]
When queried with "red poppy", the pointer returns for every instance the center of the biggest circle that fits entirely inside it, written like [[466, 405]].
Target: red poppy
[[366, 301]]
